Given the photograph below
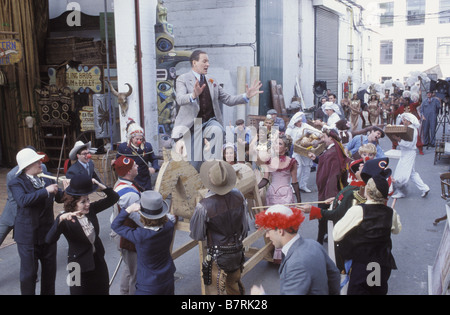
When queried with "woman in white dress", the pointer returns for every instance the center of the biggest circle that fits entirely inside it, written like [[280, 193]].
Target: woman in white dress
[[405, 170], [296, 130]]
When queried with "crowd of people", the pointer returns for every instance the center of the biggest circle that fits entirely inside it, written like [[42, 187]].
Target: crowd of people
[[353, 182]]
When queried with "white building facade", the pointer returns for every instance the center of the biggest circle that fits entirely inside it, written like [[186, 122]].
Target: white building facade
[[407, 36]]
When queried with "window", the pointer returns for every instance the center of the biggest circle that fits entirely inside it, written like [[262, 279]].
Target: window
[[444, 11], [414, 51], [443, 50], [415, 12], [387, 14], [386, 52]]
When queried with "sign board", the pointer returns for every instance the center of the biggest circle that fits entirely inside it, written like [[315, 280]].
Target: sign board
[[85, 79], [11, 51], [87, 118]]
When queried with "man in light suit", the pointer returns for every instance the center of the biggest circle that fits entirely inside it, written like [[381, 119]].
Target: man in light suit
[[200, 119], [306, 269]]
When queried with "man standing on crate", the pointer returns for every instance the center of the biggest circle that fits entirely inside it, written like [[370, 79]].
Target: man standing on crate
[[83, 165], [429, 111]]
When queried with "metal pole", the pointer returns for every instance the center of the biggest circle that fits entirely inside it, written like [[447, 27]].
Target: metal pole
[[109, 100]]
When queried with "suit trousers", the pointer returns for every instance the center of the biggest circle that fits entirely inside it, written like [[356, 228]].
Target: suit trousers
[[128, 280], [211, 130], [429, 131], [358, 284], [30, 255]]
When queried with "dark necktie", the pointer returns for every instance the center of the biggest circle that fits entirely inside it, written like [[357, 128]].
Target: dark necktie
[[202, 80]]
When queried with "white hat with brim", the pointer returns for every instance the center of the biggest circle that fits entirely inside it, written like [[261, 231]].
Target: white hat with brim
[[26, 157], [218, 176], [78, 146], [153, 207]]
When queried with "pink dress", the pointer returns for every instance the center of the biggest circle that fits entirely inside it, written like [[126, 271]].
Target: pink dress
[[280, 190]]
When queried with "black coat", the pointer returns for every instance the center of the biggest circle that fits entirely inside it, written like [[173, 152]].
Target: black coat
[[80, 248], [34, 210]]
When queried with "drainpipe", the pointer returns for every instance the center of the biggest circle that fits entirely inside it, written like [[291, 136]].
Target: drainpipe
[[139, 63]]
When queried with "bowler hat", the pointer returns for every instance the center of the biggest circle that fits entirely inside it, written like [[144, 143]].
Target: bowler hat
[[81, 185], [153, 206]]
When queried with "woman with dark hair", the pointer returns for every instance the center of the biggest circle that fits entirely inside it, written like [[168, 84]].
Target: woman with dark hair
[[79, 224], [282, 172]]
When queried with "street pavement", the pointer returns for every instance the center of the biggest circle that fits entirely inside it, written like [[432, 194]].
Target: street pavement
[[414, 248]]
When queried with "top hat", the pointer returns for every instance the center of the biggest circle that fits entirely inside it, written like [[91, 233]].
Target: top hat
[[27, 157], [78, 146], [81, 185], [218, 176], [153, 206]]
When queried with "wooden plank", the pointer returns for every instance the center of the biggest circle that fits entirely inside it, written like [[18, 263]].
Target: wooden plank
[[183, 249], [252, 262]]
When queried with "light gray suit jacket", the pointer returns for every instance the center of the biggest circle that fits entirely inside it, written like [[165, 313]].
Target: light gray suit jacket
[[308, 270], [189, 110]]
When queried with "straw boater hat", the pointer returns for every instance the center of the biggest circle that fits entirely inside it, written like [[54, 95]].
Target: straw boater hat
[[153, 207], [27, 157], [218, 176], [78, 146], [280, 217]]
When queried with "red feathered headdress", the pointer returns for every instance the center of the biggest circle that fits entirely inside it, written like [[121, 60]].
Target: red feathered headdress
[[280, 217]]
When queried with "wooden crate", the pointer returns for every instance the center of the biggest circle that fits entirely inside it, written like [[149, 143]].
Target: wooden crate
[[404, 132], [104, 169]]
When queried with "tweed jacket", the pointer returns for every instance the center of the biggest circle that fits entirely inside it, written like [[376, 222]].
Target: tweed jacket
[[189, 110], [308, 270]]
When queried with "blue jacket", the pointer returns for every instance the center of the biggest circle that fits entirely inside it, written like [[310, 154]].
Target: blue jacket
[[308, 270], [34, 210], [430, 108], [155, 266], [143, 178]]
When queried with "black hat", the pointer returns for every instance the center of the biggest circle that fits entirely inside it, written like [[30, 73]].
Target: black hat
[[376, 167], [382, 185], [81, 185]]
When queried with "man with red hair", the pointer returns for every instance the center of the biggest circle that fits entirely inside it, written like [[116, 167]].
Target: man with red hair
[[305, 268]]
